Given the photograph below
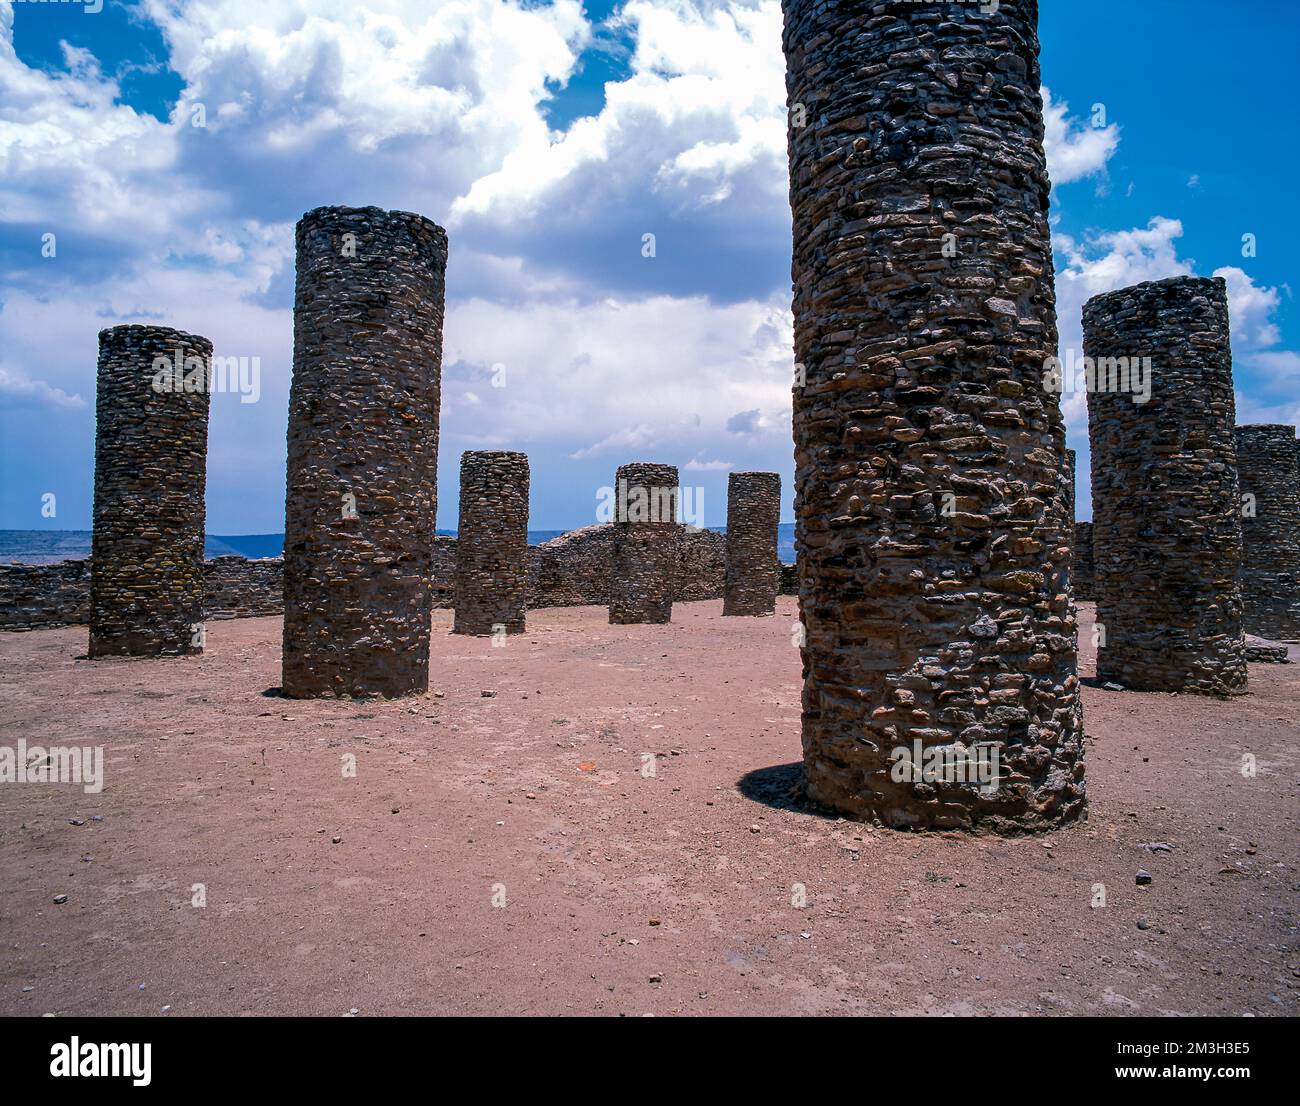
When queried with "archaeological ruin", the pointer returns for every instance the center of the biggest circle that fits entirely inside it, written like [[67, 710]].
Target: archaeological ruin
[[1084, 576], [1165, 506], [932, 541], [753, 571], [151, 454], [361, 488], [492, 543], [1269, 471], [647, 544]]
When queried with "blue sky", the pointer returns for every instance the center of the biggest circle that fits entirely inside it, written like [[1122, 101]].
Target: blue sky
[[549, 138]]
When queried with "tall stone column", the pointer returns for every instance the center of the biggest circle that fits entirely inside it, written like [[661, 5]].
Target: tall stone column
[[753, 515], [492, 543], [363, 452], [1270, 530], [1165, 506], [151, 453], [933, 551], [647, 544], [1085, 572]]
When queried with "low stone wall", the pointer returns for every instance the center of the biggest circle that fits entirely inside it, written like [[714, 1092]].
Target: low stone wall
[[235, 587], [568, 571], [38, 596]]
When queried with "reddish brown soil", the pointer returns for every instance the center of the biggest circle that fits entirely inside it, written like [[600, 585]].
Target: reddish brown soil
[[623, 894]]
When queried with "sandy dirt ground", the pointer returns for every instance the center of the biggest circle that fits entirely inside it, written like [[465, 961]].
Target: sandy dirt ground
[[510, 854]]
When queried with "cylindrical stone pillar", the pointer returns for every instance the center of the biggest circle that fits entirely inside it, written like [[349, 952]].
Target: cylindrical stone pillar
[[363, 452], [928, 456], [1085, 572], [753, 572], [491, 588], [1270, 530], [1165, 507], [647, 544], [1071, 468], [151, 449]]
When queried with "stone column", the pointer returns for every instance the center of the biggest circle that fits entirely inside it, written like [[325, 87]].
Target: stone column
[[753, 572], [1085, 572], [492, 543], [1270, 530], [933, 551], [1165, 507], [1071, 469], [151, 450], [647, 544], [363, 452]]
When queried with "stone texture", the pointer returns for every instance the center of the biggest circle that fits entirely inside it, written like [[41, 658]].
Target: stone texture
[[363, 452], [753, 515], [151, 450], [492, 543], [1165, 506], [1085, 571], [931, 533], [647, 544], [571, 570], [1269, 471]]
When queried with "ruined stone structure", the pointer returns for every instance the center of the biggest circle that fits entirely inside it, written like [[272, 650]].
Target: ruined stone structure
[[647, 544], [363, 452], [932, 541], [572, 570], [1165, 507], [492, 543], [151, 457], [753, 572], [1269, 472], [1071, 470], [1085, 571]]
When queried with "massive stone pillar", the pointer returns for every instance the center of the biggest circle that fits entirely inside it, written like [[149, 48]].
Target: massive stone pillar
[[1085, 572], [363, 452], [647, 544], [492, 543], [1270, 530], [933, 549], [151, 453], [753, 515], [1165, 507]]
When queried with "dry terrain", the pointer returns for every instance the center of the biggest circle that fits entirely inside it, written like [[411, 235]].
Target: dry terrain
[[511, 853]]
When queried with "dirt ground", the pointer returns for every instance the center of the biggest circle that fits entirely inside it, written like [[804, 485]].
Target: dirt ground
[[508, 853]]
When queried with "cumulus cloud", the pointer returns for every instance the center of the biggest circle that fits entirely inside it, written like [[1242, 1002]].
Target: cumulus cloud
[[1075, 149], [17, 390]]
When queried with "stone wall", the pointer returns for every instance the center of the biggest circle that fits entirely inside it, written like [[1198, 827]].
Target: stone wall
[[362, 488], [491, 588], [753, 514], [1085, 570], [1165, 507], [569, 571], [234, 587], [151, 455], [934, 551], [1270, 530], [647, 559]]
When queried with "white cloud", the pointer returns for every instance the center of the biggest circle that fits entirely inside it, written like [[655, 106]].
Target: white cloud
[[1075, 150], [17, 389]]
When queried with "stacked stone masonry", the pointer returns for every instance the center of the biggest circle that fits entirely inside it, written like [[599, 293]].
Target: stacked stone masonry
[[647, 544], [491, 591], [1085, 572], [571, 570], [363, 449], [1165, 506], [753, 515], [933, 544], [151, 448], [1269, 472]]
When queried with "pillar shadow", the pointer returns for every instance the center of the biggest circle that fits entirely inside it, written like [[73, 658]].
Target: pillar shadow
[[780, 787]]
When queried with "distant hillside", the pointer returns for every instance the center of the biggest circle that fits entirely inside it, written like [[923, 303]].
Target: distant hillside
[[39, 547]]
